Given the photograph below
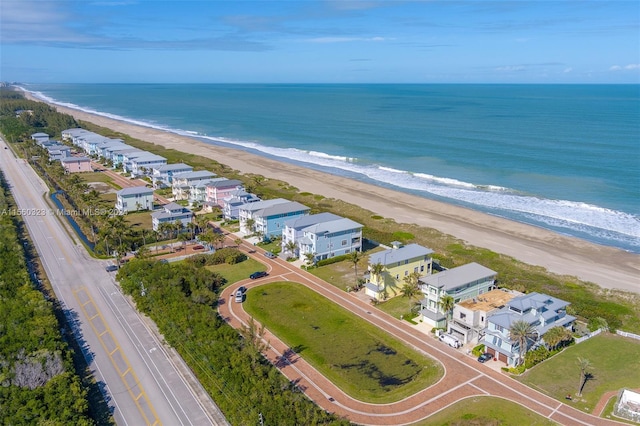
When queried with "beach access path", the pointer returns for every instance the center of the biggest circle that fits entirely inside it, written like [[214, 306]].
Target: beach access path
[[606, 266], [464, 377]]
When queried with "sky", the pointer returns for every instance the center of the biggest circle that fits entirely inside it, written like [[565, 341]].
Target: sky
[[320, 41]]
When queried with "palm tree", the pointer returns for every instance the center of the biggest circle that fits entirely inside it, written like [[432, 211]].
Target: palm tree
[[202, 222], [354, 257], [376, 271], [164, 229], [447, 303], [192, 229], [291, 247], [183, 237], [557, 335], [410, 288], [238, 242], [208, 237], [584, 365], [521, 332], [249, 223], [310, 258]]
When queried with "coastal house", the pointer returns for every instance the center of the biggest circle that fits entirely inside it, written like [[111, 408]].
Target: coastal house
[[217, 190], [57, 152], [397, 263], [267, 217], [540, 310], [119, 153], [324, 235], [40, 137], [469, 318], [183, 182], [70, 134], [162, 175], [134, 199], [143, 164], [232, 203], [104, 149], [76, 164], [462, 283], [171, 213]]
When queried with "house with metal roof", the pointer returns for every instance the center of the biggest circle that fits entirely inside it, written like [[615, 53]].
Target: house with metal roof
[[397, 263], [143, 164], [543, 312], [232, 203], [324, 235], [182, 182], [267, 217], [134, 199], [57, 152], [40, 137], [162, 175], [171, 213], [218, 190], [76, 164], [462, 283]]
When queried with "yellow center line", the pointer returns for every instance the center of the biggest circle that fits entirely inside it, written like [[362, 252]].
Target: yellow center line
[[129, 370]]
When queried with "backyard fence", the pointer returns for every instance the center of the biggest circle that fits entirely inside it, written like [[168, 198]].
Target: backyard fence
[[589, 336], [625, 334]]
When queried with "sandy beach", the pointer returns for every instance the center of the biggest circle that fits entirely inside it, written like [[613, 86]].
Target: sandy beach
[[606, 266]]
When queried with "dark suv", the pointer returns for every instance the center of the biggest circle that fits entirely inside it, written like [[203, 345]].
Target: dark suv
[[485, 357], [258, 274]]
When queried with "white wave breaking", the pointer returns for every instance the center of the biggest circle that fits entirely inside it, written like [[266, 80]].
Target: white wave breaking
[[574, 217]]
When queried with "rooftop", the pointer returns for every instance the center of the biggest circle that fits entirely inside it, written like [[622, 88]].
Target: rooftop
[[461, 275], [135, 190], [495, 299], [410, 251]]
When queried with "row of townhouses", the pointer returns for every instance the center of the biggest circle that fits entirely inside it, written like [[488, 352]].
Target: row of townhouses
[[481, 314], [62, 153]]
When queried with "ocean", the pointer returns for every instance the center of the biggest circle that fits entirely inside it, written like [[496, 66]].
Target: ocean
[[561, 157]]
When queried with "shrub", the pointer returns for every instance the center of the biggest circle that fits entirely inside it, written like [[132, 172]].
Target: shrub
[[478, 350], [331, 260]]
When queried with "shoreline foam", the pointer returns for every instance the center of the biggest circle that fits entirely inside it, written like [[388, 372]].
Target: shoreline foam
[[606, 266]]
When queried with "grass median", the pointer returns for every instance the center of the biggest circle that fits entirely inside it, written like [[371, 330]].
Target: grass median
[[362, 360]]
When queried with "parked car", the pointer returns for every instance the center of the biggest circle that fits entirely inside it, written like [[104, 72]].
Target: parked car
[[450, 340], [270, 255], [258, 274], [485, 357], [111, 268], [239, 296]]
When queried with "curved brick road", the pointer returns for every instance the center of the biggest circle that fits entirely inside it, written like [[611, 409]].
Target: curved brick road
[[461, 379]]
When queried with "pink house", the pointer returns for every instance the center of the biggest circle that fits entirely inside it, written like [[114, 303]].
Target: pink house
[[217, 190], [76, 164]]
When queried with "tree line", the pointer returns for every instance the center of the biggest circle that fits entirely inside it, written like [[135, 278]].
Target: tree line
[[246, 387], [38, 384]]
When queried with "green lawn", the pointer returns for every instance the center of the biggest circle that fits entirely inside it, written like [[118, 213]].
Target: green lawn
[[615, 362], [486, 411], [96, 177], [364, 361], [239, 271]]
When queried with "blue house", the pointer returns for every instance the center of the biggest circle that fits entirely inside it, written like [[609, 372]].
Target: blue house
[[325, 235], [268, 217]]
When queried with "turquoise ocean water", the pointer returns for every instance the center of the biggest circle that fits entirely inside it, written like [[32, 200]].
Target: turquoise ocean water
[[561, 157]]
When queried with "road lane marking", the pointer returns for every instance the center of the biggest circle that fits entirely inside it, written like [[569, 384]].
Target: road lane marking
[[151, 417]]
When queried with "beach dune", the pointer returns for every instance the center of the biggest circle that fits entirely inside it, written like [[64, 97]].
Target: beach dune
[[606, 266]]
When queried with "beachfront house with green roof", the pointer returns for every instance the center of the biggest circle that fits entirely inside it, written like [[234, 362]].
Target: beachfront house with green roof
[[462, 283], [395, 264], [133, 199], [324, 235], [267, 218]]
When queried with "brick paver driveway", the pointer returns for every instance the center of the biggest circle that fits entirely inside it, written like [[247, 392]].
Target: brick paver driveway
[[462, 378]]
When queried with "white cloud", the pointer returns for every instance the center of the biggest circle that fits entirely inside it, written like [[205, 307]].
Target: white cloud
[[511, 68], [628, 67], [567, 70]]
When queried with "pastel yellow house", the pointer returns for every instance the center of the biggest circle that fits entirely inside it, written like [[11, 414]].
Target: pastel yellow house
[[387, 269]]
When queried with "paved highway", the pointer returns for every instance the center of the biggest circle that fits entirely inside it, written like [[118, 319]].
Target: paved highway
[[142, 377]]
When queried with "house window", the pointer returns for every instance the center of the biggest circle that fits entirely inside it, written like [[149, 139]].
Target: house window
[[397, 276], [421, 268], [344, 242], [415, 269], [406, 273], [481, 319], [406, 262], [463, 315]]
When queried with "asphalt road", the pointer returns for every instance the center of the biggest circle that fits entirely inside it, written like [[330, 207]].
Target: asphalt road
[[142, 378]]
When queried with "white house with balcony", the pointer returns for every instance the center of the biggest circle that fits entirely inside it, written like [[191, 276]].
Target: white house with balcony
[[325, 235], [540, 310], [162, 175], [469, 319], [183, 182], [171, 213], [232, 203], [142, 165], [462, 283], [133, 199]]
